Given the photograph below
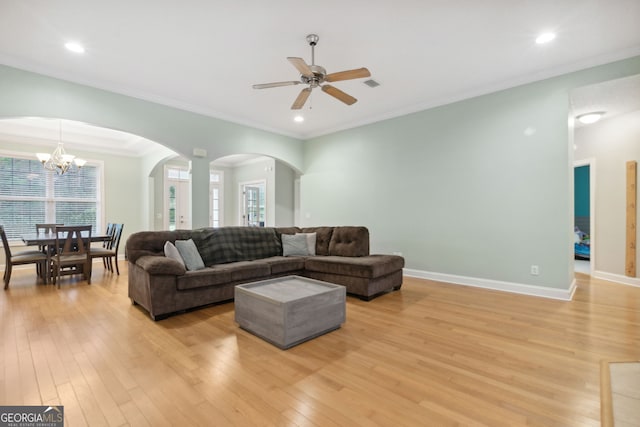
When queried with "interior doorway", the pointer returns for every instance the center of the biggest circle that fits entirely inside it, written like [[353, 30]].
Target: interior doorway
[[584, 216], [253, 203]]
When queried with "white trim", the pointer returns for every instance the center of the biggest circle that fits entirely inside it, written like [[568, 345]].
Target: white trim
[[617, 278], [517, 288]]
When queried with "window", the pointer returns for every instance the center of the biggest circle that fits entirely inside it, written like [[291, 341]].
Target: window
[[30, 194], [216, 185]]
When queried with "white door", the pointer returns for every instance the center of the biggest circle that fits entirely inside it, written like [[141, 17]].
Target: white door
[[177, 200], [253, 212]]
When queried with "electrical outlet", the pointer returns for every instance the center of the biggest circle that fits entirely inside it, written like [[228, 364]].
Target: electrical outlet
[[535, 270]]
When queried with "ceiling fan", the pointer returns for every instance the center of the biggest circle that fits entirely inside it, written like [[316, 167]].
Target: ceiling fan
[[315, 75]]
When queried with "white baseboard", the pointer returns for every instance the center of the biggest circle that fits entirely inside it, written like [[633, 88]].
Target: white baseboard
[[618, 278], [518, 288]]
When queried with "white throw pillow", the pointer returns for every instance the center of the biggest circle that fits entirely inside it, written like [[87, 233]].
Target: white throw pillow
[[311, 242], [170, 251]]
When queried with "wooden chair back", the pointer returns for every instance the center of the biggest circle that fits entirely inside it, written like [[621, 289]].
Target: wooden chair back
[[73, 240], [73, 252], [5, 244], [47, 228], [20, 258], [114, 243]]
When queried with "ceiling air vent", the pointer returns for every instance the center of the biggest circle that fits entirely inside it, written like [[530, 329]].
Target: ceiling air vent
[[371, 83]]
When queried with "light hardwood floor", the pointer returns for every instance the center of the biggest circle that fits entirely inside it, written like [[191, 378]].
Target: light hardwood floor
[[432, 354]]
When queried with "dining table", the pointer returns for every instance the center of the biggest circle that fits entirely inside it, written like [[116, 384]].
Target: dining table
[[47, 240]]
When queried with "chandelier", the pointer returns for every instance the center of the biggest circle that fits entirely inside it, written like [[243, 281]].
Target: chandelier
[[59, 161]]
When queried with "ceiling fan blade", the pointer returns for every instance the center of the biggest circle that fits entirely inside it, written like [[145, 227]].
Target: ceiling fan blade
[[276, 84], [358, 73], [301, 99], [339, 95], [301, 66]]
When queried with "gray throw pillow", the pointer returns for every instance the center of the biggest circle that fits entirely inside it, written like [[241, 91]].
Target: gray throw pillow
[[170, 251], [190, 255], [311, 242], [294, 245]]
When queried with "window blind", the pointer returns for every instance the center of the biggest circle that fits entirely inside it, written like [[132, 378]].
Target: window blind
[[30, 194]]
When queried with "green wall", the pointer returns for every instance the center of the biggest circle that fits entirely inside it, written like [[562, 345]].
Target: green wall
[[480, 188], [26, 94]]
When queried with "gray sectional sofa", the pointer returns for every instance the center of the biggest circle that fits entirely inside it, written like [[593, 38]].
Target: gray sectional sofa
[[236, 255]]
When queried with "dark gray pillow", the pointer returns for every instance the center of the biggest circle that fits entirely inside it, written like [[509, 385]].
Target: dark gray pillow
[[190, 255], [294, 245]]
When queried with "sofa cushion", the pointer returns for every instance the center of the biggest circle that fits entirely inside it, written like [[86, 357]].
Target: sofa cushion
[[154, 264], [349, 241], [369, 267], [145, 243], [231, 244], [323, 237], [209, 276], [246, 270], [287, 230], [281, 264]]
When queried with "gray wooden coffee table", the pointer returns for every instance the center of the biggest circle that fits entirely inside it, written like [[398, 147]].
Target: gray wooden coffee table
[[287, 311]]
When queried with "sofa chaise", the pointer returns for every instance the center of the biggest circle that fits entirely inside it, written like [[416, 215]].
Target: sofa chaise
[[234, 255]]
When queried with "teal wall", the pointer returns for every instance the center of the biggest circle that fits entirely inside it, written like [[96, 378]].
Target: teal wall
[[581, 191]]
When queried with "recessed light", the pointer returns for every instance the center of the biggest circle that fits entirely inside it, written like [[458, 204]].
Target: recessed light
[[545, 38], [590, 118], [298, 119], [74, 47]]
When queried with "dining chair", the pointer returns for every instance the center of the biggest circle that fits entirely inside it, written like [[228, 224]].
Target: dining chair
[[109, 251], [20, 258], [73, 252], [45, 229], [107, 243]]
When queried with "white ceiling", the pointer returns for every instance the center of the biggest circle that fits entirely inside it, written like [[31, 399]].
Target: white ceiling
[[614, 98], [74, 135], [204, 55]]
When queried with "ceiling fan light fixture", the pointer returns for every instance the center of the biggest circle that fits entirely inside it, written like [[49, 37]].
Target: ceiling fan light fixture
[[315, 76], [298, 119]]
